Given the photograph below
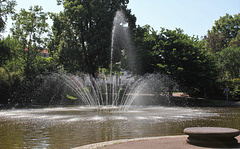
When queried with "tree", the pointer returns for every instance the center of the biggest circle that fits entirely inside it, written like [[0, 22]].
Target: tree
[[29, 29], [215, 42], [185, 59], [177, 55], [229, 62], [4, 52], [10, 69], [236, 41], [224, 30], [146, 41], [6, 8], [85, 34]]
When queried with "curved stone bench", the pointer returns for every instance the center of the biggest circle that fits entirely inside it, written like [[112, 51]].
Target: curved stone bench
[[212, 136]]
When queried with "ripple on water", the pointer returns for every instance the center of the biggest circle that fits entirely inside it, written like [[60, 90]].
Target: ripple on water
[[94, 114], [96, 118], [119, 118]]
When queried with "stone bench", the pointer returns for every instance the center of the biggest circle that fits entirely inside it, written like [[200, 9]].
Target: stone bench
[[212, 136]]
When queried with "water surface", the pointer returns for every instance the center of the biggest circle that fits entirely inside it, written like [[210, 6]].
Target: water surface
[[69, 127]]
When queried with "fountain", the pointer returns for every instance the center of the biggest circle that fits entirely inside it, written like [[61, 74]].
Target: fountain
[[108, 107], [115, 89]]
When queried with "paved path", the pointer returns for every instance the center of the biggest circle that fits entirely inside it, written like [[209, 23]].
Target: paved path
[[168, 142]]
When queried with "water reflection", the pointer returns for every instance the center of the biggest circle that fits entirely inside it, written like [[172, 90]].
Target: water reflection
[[76, 126]]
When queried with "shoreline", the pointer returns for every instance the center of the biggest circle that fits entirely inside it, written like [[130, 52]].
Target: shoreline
[[166, 142]]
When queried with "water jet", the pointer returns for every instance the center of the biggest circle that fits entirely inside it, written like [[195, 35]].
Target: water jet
[[113, 106]]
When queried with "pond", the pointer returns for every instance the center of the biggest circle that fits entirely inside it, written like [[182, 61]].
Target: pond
[[67, 127]]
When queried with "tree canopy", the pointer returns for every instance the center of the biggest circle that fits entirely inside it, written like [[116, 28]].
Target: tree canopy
[[225, 29], [224, 41], [6, 8], [84, 28], [80, 41], [178, 55], [28, 30]]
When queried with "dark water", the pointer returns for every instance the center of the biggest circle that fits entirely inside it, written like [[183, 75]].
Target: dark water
[[69, 127]]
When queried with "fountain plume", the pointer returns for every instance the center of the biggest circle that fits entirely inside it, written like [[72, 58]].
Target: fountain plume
[[112, 90]]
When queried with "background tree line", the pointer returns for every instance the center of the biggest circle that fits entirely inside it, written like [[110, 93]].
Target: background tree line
[[80, 40]]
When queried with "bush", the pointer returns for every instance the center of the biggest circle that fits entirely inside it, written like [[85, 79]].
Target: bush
[[235, 93], [233, 85], [8, 83], [5, 84]]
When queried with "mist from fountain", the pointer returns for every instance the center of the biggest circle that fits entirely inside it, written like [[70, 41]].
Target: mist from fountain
[[120, 34], [97, 91], [108, 90], [117, 90]]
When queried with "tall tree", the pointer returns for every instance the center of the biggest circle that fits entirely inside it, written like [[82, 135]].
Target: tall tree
[[29, 29], [6, 8], [178, 55], [185, 59], [85, 34], [146, 41], [224, 30], [4, 52], [235, 42], [215, 41], [229, 62]]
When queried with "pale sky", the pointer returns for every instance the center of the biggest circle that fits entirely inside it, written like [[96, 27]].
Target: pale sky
[[195, 17]]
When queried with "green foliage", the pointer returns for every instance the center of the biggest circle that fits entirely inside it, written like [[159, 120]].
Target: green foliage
[[28, 30], [4, 77], [14, 64], [6, 8], [83, 33], [8, 82], [233, 85], [215, 41], [236, 92], [24, 60], [30, 26], [4, 52], [81, 41], [177, 55], [223, 41], [224, 30], [229, 62], [186, 61], [146, 40], [104, 71], [235, 42], [44, 65], [5, 84]]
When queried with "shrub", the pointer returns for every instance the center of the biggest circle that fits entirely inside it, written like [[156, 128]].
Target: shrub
[[4, 86], [235, 93], [233, 85], [8, 82]]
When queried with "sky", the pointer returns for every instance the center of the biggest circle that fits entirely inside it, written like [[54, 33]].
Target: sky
[[195, 17], [47, 5]]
